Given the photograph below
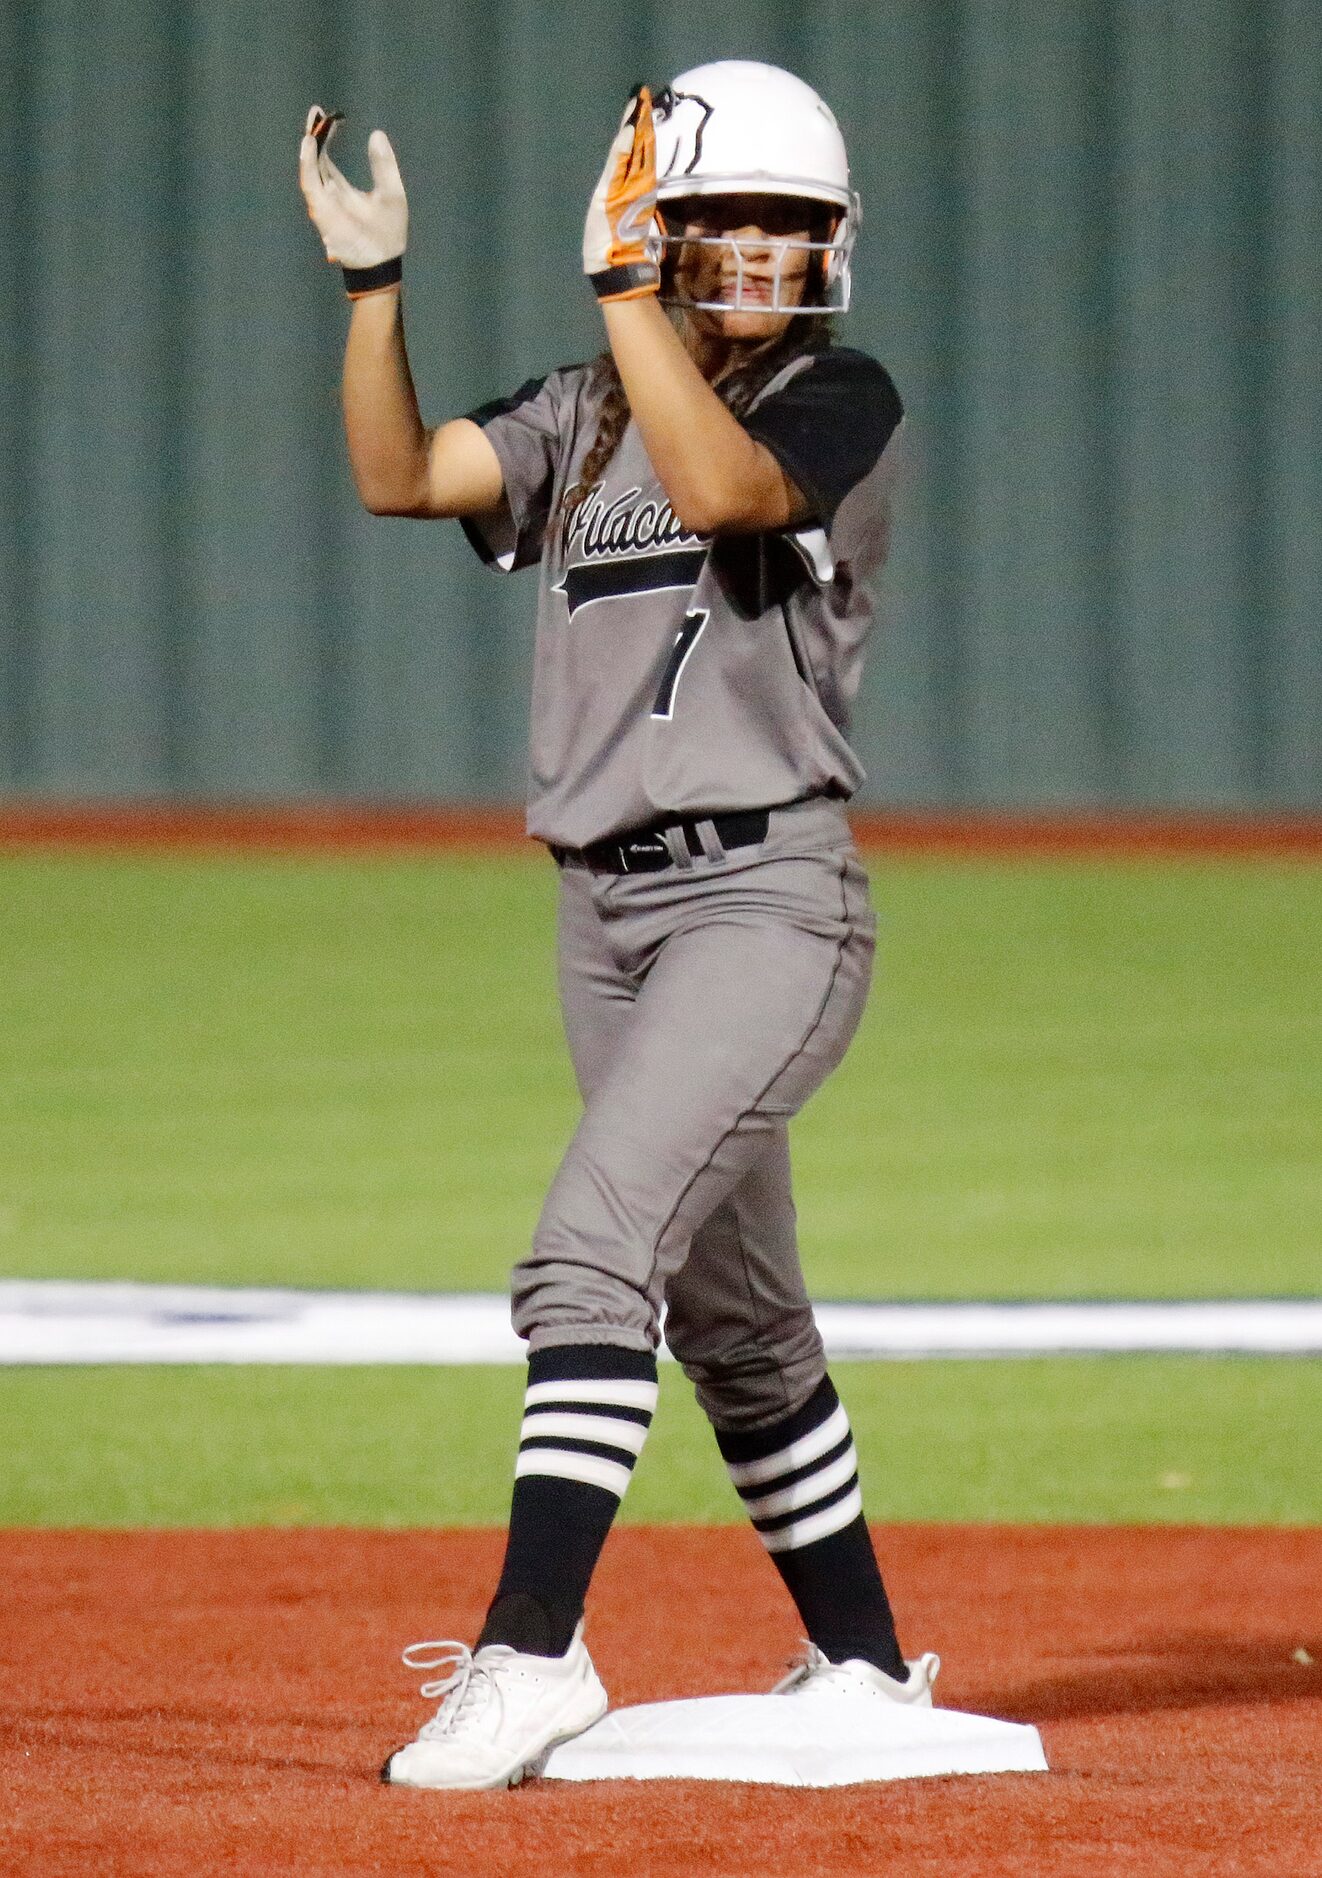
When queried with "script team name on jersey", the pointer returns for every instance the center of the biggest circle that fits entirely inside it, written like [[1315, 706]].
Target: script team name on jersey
[[626, 546]]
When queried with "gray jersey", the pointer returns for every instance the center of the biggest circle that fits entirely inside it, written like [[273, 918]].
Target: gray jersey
[[675, 674]]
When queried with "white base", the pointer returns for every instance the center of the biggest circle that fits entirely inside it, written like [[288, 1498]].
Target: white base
[[793, 1743]]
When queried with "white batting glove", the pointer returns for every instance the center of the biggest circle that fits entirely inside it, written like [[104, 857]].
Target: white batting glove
[[618, 256], [365, 231]]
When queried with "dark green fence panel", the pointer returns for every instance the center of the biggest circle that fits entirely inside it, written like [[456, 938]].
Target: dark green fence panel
[[1091, 255]]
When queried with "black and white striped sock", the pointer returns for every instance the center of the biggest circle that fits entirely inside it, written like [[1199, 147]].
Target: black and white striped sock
[[589, 1429], [798, 1480], [587, 1410]]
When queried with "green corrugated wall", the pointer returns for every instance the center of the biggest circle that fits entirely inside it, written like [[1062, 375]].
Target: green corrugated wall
[[1091, 256]]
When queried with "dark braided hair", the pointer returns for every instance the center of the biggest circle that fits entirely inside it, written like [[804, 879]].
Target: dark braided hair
[[736, 387], [612, 422]]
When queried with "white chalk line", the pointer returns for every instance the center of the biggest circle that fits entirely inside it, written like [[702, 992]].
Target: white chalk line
[[51, 1322]]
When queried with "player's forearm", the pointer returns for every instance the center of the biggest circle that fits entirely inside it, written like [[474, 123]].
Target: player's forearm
[[388, 442], [715, 475]]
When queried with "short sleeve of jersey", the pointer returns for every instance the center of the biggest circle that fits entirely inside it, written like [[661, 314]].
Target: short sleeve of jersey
[[524, 431], [828, 425]]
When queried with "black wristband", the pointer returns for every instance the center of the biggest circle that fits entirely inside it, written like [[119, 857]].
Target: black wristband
[[361, 280], [623, 283]]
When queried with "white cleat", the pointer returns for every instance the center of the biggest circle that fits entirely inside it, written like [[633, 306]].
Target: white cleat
[[501, 1714], [817, 1676]]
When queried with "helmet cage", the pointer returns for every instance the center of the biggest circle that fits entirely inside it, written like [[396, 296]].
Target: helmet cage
[[836, 252]]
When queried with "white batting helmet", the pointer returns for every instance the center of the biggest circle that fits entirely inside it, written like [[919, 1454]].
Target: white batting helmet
[[736, 127]]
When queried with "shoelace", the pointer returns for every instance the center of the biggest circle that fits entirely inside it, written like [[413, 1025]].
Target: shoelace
[[467, 1687], [815, 1662], [812, 1660]]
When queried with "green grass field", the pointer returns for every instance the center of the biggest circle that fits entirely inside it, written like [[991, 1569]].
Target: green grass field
[[1074, 1081], [1120, 1438]]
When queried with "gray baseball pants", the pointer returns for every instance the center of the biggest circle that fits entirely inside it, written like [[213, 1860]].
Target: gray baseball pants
[[703, 1005]]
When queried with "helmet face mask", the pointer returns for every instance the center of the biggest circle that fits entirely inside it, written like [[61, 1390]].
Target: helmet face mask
[[751, 162], [750, 252]]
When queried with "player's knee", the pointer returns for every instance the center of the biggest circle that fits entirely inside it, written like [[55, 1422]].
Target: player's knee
[[742, 1382], [611, 1214]]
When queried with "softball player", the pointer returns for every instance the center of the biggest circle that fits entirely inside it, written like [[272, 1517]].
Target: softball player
[[704, 503]]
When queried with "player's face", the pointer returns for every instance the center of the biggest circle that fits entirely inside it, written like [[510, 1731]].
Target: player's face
[[772, 270]]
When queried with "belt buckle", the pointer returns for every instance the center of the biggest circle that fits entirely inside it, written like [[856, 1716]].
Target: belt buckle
[[650, 845]]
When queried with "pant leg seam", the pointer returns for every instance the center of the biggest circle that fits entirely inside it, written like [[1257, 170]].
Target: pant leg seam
[[771, 1082], [748, 1283]]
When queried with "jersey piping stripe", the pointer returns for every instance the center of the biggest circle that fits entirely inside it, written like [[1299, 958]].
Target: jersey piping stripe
[[589, 1469], [625, 1395], [817, 1525], [809, 1447], [586, 582], [808, 1491], [600, 1429]]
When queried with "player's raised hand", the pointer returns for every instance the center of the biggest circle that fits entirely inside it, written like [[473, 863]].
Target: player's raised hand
[[617, 256], [360, 228]]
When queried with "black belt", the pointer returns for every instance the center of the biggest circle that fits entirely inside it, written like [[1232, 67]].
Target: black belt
[[644, 850]]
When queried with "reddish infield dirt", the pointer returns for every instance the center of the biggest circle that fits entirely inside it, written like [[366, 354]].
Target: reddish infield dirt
[[202, 1702], [365, 828]]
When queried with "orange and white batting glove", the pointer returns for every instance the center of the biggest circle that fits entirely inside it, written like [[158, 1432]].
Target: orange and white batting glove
[[365, 231], [618, 258]]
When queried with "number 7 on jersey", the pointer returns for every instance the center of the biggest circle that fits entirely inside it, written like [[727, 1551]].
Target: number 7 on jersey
[[685, 639]]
